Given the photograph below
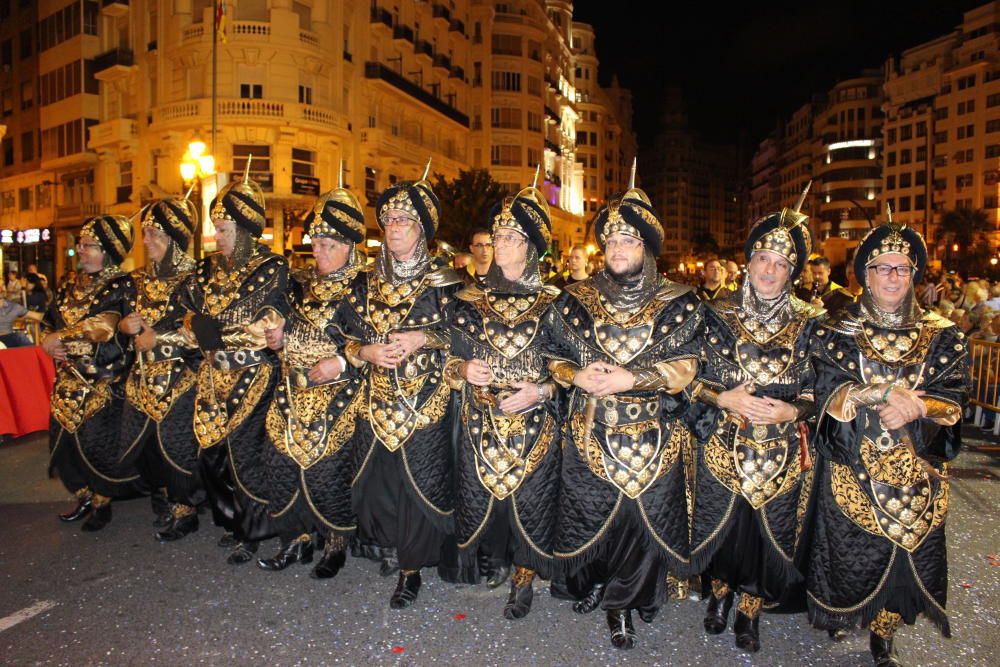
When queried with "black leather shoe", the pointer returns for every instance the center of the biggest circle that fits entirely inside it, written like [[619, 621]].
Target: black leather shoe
[[242, 553], [747, 632], [162, 520], [228, 541], [883, 652], [83, 506], [620, 625], [717, 614], [497, 575], [648, 614], [592, 600], [406, 590], [518, 601], [296, 551], [837, 634], [329, 565], [390, 564], [99, 518], [178, 528]]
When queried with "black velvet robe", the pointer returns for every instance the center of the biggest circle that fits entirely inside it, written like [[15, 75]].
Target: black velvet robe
[[157, 430], [235, 384], [309, 426], [748, 485], [623, 508], [877, 525], [89, 391], [508, 465], [402, 441]]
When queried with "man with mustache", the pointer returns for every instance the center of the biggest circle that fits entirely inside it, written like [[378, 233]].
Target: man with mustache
[[623, 346]]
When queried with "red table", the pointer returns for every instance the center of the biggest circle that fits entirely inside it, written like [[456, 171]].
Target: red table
[[26, 377]]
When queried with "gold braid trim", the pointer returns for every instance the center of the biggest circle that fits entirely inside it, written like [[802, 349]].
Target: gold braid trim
[[563, 372], [720, 589], [96, 329], [749, 605], [885, 624], [522, 577], [351, 351], [97, 500]]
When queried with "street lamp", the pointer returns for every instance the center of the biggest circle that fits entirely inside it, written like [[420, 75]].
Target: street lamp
[[198, 168]]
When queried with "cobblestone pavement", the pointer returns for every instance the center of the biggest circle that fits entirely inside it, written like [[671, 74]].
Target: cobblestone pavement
[[119, 598]]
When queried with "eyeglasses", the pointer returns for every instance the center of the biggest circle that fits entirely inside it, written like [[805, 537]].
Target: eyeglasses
[[903, 270], [626, 242], [508, 239], [397, 221], [480, 246]]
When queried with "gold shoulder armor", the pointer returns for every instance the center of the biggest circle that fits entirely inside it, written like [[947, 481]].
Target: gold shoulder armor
[[470, 293], [936, 321], [671, 290], [805, 308], [843, 322], [443, 277]]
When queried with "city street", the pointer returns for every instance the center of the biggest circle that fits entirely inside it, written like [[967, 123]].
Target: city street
[[119, 598]]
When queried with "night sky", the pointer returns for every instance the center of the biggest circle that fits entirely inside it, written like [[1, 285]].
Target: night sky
[[742, 69]]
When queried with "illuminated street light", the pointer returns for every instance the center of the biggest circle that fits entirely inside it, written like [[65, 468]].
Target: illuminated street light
[[198, 168], [196, 148]]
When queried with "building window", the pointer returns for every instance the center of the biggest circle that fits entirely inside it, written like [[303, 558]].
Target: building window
[[509, 81], [261, 162], [303, 162], [26, 44], [506, 45], [534, 157], [251, 91], [941, 113], [920, 178], [890, 182], [24, 199], [305, 94], [534, 122], [305, 15], [920, 203], [505, 118], [534, 86], [905, 180], [890, 159], [967, 82], [8, 152], [7, 102], [27, 146], [904, 204], [27, 95], [905, 132], [963, 181], [891, 136], [505, 155], [905, 156]]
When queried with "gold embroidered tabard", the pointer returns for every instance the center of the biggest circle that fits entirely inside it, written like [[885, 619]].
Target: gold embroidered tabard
[[299, 421], [394, 410], [222, 288], [500, 444], [74, 400], [759, 462], [511, 323], [890, 494], [626, 446], [154, 386], [225, 398], [153, 295]]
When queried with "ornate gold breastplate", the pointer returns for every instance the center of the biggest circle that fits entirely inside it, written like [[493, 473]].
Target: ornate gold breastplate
[[511, 323], [500, 443], [154, 296], [621, 334], [758, 462]]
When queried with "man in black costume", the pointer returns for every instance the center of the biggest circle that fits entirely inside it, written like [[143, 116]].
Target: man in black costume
[[397, 315], [624, 338], [754, 388], [92, 360], [891, 380], [316, 404], [508, 458], [157, 424], [233, 298]]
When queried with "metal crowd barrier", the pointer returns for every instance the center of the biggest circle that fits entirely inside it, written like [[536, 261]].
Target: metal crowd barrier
[[985, 371]]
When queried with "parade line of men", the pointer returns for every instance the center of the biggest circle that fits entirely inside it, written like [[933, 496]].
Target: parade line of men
[[618, 437]]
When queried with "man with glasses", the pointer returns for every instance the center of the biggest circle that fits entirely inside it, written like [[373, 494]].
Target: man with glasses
[[508, 453], [92, 361], [623, 344], [481, 247], [892, 380], [397, 317]]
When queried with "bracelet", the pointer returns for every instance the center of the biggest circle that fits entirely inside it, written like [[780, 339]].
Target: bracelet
[[888, 390], [541, 393]]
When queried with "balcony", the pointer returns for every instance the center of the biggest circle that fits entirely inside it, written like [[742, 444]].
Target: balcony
[[457, 73], [380, 17], [114, 64], [403, 33], [552, 146], [309, 38], [376, 70], [114, 8], [424, 48], [249, 112], [442, 61], [441, 12], [112, 133], [456, 26]]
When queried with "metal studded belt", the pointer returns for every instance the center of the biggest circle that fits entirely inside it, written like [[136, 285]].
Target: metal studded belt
[[232, 360]]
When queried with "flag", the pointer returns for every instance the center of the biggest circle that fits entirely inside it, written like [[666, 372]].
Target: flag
[[220, 21]]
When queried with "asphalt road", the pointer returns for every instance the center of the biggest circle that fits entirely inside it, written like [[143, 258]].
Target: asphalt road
[[119, 598]]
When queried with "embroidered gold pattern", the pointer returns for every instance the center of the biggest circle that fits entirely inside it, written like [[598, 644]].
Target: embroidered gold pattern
[[218, 411], [749, 605], [885, 623]]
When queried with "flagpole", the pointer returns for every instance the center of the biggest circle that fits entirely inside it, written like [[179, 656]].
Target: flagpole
[[215, 67]]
